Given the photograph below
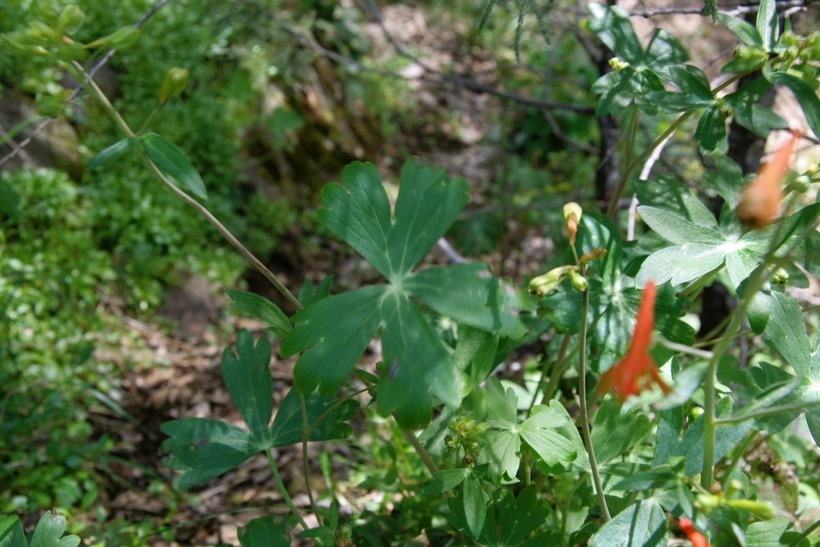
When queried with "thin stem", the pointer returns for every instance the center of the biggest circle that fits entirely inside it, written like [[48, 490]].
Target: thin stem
[[557, 370], [739, 451], [421, 451], [305, 466], [249, 256], [582, 388], [284, 491], [631, 134], [767, 412], [683, 348]]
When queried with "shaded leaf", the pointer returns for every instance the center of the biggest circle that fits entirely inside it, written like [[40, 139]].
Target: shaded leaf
[[445, 480], [804, 94], [288, 425], [12, 533], [745, 32], [116, 150], [49, 532], [264, 532], [552, 434], [616, 430], [711, 130], [475, 508], [246, 370], [259, 307], [204, 448]]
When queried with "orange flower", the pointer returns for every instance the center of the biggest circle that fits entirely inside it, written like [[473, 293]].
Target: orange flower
[[760, 201], [694, 536], [637, 369]]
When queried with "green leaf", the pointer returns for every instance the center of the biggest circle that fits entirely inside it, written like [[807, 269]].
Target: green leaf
[[767, 533], [754, 117], [664, 52], [475, 354], [745, 32], [264, 532], [359, 213], [259, 307], [470, 294], [669, 194], [711, 130], [519, 517], [204, 448], [612, 26], [804, 94], [419, 365], [335, 332], [116, 150], [766, 23], [475, 508], [288, 425], [308, 294], [12, 533], [680, 264], [172, 161], [677, 229], [552, 434], [786, 333], [503, 449], [661, 478], [726, 178], [49, 532], [445, 481], [246, 371], [615, 430], [641, 524]]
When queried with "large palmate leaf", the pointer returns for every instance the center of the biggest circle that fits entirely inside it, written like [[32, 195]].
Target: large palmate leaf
[[333, 332], [701, 246], [640, 525]]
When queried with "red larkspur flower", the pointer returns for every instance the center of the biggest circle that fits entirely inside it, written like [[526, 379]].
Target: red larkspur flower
[[637, 369], [697, 539], [760, 202]]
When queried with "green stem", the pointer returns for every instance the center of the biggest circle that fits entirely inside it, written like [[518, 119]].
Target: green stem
[[631, 133], [305, 465], [92, 87], [284, 491], [557, 370], [738, 454], [619, 190], [421, 451], [582, 388], [804, 405]]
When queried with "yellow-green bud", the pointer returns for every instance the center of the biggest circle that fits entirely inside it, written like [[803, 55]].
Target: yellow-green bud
[[780, 276], [173, 83], [40, 30], [572, 216], [70, 18], [617, 64], [544, 284], [761, 509], [119, 39], [579, 282]]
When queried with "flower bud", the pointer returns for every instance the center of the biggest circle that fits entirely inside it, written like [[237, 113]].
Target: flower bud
[[579, 282], [544, 284], [761, 509], [173, 83], [572, 216]]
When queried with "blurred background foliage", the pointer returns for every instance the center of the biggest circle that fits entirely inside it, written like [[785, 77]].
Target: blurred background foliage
[[282, 94]]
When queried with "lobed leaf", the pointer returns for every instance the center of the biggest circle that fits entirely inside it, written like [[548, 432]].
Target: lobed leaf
[[325, 417], [261, 308], [247, 375], [643, 523], [204, 448]]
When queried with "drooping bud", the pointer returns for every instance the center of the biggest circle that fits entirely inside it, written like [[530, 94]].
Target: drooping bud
[[579, 282], [544, 284]]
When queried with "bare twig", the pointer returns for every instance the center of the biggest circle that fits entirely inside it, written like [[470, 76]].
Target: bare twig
[[18, 149], [782, 6]]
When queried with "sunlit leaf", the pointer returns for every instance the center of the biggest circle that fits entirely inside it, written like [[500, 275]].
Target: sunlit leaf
[[641, 524], [173, 162], [259, 307]]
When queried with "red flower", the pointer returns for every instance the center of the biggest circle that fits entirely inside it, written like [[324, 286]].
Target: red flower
[[637, 369], [694, 536], [760, 201]]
